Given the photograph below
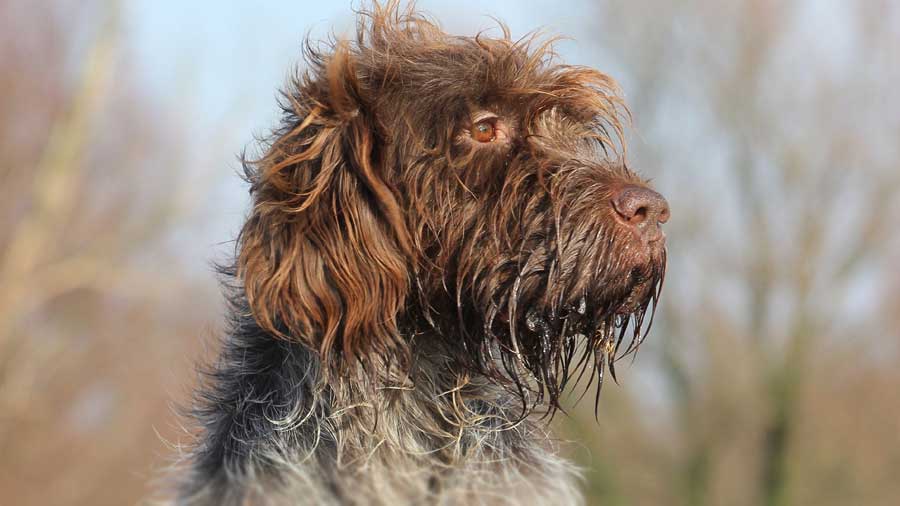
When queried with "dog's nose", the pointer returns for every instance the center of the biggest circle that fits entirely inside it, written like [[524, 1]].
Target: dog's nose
[[643, 209]]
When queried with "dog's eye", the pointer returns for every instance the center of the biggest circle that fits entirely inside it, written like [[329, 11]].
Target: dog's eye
[[484, 131]]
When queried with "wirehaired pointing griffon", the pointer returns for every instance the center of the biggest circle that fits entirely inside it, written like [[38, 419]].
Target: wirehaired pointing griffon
[[444, 237]]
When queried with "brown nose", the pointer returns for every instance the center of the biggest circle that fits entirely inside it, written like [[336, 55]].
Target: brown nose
[[643, 209]]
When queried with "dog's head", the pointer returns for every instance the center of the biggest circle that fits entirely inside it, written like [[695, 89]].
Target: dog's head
[[467, 187]]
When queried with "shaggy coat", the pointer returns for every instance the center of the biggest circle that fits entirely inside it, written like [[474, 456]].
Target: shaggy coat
[[444, 236]]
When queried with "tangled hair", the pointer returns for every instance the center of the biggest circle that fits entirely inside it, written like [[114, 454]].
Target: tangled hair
[[442, 228], [328, 256]]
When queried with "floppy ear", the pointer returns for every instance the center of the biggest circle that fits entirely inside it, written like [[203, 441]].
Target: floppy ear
[[323, 254]]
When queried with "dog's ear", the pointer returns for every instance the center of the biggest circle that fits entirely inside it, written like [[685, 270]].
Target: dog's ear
[[323, 255]]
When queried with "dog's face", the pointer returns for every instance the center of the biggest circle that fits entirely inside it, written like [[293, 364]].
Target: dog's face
[[468, 186]]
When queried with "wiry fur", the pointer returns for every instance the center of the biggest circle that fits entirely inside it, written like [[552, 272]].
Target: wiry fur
[[404, 297], [277, 434]]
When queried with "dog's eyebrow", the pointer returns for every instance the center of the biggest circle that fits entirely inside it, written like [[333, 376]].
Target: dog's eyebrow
[[483, 115]]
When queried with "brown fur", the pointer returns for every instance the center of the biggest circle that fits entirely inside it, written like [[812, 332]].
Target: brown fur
[[436, 282]]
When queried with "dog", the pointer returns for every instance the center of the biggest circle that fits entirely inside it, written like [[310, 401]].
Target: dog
[[444, 237]]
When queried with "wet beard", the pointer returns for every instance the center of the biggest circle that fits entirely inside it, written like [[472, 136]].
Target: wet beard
[[549, 350]]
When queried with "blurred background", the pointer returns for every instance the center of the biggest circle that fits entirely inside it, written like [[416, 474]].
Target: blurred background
[[771, 378]]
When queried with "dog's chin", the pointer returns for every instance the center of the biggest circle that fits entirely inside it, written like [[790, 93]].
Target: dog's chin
[[607, 303], [644, 279], [642, 289], [593, 331]]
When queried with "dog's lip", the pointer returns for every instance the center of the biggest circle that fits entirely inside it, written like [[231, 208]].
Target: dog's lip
[[637, 291], [644, 252], [655, 235], [587, 308], [636, 296]]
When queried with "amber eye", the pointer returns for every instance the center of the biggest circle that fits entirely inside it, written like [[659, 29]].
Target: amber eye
[[484, 131]]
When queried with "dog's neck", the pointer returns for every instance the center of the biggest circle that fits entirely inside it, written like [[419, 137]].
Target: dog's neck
[[433, 431]]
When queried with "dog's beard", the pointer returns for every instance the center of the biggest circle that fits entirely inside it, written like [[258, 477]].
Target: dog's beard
[[566, 317]]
